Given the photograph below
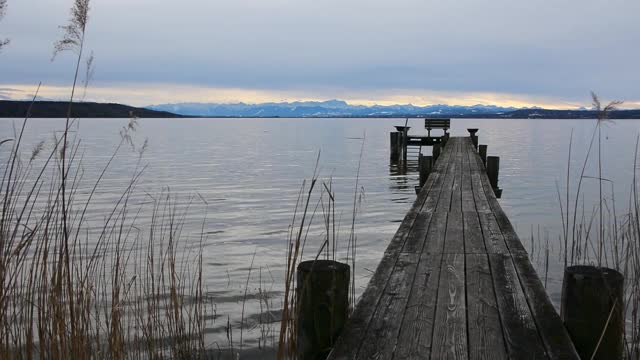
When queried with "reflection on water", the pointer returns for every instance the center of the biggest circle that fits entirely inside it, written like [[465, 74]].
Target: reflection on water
[[243, 177]]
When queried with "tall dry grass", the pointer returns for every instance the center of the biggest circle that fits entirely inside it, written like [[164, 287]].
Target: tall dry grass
[[316, 198], [595, 232], [73, 286], [115, 287]]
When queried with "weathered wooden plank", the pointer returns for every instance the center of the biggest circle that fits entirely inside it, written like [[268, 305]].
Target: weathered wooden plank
[[416, 332], [418, 234], [509, 233], [482, 204], [468, 201], [493, 240], [479, 164], [431, 202], [428, 299], [510, 236], [381, 336], [353, 335], [450, 328], [444, 202], [473, 239], [456, 187], [485, 331], [454, 238], [519, 328], [436, 235], [443, 160], [554, 336]]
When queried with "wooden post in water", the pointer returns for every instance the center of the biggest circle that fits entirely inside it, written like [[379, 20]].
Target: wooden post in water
[[474, 137], [401, 148], [592, 310], [322, 305], [394, 142], [493, 171], [425, 166], [482, 149], [436, 151], [405, 138]]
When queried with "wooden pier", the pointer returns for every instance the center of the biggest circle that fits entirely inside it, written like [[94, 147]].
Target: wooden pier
[[455, 282]]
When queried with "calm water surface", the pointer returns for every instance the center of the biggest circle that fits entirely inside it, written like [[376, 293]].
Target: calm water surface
[[242, 178]]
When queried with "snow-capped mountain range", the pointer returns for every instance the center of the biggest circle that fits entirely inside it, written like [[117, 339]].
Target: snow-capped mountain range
[[330, 108]]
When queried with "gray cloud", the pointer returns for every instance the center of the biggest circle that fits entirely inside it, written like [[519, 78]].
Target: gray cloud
[[548, 48]]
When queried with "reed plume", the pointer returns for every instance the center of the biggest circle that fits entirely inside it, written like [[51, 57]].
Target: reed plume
[[3, 10]]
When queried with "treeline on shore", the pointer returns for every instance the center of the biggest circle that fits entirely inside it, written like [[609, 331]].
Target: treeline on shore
[[59, 109]]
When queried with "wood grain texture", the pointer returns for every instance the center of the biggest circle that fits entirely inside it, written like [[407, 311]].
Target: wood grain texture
[[485, 331], [348, 344], [468, 198], [450, 330], [510, 237], [482, 204], [444, 202], [555, 338], [473, 239], [519, 328], [416, 333], [381, 336], [456, 187], [493, 239], [436, 235], [455, 281], [454, 238]]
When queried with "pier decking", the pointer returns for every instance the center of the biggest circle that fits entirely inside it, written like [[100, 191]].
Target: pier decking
[[455, 281]]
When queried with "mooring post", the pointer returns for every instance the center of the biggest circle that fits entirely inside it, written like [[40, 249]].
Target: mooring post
[[425, 166], [405, 137], [322, 306], [445, 138], [474, 137], [401, 148], [395, 151], [493, 171], [436, 151], [482, 149], [592, 310]]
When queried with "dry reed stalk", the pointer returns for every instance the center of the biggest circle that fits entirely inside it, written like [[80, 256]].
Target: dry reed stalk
[[601, 236]]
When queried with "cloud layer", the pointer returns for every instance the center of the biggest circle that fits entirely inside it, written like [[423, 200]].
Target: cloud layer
[[533, 52]]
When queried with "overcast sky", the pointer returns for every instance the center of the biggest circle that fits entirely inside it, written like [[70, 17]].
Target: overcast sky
[[506, 52]]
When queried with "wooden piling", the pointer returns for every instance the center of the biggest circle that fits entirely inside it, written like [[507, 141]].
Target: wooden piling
[[401, 149], [493, 171], [592, 310], [482, 149], [436, 151], [425, 165], [405, 138], [474, 137], [322, 306], [394, 145]]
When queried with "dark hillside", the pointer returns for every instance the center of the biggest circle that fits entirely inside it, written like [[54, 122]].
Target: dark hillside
[[58, 109]]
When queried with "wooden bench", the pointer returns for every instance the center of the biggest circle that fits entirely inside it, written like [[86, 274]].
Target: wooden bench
[[431, 124]]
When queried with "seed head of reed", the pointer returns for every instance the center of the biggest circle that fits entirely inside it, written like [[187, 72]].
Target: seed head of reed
[[74, 31], [3, 10], [603, 112]]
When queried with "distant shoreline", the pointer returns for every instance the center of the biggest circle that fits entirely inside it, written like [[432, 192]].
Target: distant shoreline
[[57, 109]]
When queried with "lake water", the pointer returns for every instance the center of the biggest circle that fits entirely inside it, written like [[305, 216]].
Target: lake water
[[242, 178]]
